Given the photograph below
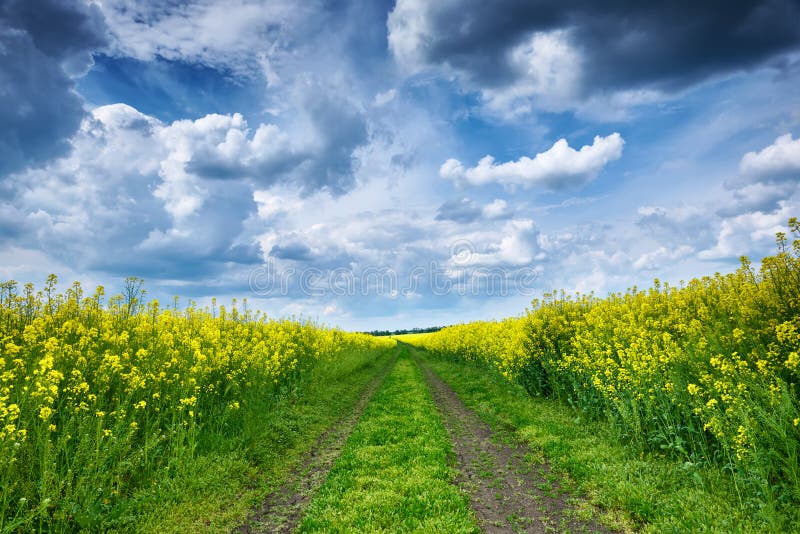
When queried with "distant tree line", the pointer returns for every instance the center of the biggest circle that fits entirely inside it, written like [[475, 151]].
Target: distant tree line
[[405, 331]]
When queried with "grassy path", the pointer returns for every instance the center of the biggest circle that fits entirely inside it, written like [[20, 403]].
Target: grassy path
[[394, 474], [216, 490], [628, 490], [282, 510]]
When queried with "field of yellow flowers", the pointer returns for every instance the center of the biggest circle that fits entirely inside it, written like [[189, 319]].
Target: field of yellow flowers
[[96, 399], [707, 371]]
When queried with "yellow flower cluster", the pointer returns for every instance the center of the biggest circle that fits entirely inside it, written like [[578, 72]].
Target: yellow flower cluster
[[78, 378], [705, 368]]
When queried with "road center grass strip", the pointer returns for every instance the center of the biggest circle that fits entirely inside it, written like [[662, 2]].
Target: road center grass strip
[[633, 491], [394, 474], [282, 510]]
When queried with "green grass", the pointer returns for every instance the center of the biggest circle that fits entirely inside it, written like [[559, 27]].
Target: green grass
[[394, 473], [629, 489], [216, 489]]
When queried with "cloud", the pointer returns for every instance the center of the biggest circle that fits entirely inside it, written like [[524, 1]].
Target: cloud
[[219, 147], [139, 196], [381, 99], [244, 37], [497, 209], [554, 54], [223, 147], [291, 251], [44, 45], [740, 235], [184, 200], [741, 220], [765, 178], [655, 259], [520, 245], [779, 162], [676, 225], [462, 210], [339, 128], [559, 167], [548, 72], [465, 210], [764, 197], [272, 207]]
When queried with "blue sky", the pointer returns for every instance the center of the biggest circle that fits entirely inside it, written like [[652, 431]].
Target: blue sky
[[394, 164]]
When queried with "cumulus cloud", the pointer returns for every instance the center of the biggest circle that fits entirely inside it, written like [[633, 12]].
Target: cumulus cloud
[[552, 54], [223, 147], [548, 73], [741, 234], [272, 206], [765, 179], [742, 220], [97, 199], [779, 162], [44, 45], [559, 167], [519, 245], [291, 251], [218, 147], [173, 200], [497, 209], [339, 129]]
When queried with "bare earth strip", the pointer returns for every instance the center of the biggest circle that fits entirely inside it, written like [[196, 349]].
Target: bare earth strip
[[283, 509], [507, 493]]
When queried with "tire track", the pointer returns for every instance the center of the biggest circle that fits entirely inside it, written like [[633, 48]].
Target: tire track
[[283, 509], [507, 493]]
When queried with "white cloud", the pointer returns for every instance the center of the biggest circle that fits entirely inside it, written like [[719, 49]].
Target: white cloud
[[557, 168], [740, 221], [764, 197], [241, 36], [742, 234], [779, 161], [657, 258], [497, 209], [409, 27], [179, 192], [271, 206], [218, 147], [381, 99], [548, 72], [518, 245]]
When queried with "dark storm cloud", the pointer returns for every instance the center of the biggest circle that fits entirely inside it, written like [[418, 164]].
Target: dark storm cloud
[[461, 210], [625, 44], [43, 44]]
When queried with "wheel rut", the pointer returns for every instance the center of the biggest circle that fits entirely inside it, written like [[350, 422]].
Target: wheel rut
[[507, 492], [283, 509]]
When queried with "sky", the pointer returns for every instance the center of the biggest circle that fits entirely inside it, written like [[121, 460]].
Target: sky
[[383, 165]]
